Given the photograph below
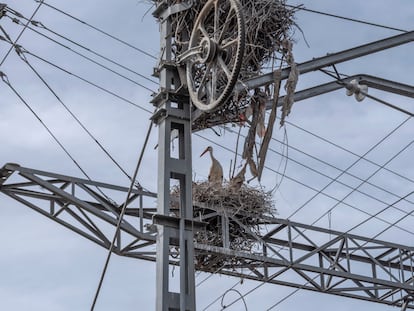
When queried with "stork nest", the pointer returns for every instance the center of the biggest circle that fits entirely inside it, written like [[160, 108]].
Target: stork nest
[[243, 210], [269, 26]]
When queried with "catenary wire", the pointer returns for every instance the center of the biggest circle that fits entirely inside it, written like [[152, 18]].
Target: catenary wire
[[337, 177], [350, 166], [98, 29], [302, 8], [88, 81], [21, 32], [94, 61], [338, 169], [42, 26], [7, 82], [331, 178], [121, 216], [304, 184], [321, 191], [74, 116], [364, 181], [348, 151]]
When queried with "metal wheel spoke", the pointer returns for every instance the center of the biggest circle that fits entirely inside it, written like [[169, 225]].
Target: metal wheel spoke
[[216, 20], [229, 44], [214, 83], [223, 66], [203, 30], [225, 26], [208, 69]]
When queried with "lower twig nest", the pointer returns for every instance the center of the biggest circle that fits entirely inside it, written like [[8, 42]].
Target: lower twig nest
[[233, 219]]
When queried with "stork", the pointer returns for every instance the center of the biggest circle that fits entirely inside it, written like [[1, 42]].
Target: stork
[[215, 176]]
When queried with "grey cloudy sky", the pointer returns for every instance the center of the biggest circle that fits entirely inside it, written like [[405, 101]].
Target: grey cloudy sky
[[46, 267]]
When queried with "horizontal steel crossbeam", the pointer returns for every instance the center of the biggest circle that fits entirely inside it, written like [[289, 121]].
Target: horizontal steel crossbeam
[[332, 59], [290, 254]]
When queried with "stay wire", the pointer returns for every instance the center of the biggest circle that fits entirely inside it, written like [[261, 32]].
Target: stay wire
[[336, 168], [8, 83], [96, 62], [76, 118], [99, 30], [348, 151], [338, 181], [121, 216], [302, 8], [21, 32], [349, 167], [308, 186], [362, 211], [371, 216], [364, 181], [87, 81], [42, 26]]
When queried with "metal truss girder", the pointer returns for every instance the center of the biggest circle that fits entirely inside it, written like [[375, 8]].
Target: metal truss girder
[[370, 81], [332, 59], [290, 254], [57, 199]]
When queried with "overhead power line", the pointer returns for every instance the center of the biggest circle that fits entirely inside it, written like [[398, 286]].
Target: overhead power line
[[42, 26], [21, 32], [74, 116], [121, 216], [7, 82], [365, 181], [99, 30], [349, 151], [89, 82], [226, 148], [371, 216], [302, 8], [349, 167]]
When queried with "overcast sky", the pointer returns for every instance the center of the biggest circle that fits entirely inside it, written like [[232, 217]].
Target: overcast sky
[[46, 267]]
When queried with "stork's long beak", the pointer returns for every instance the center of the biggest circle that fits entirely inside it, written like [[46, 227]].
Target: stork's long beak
[[204, 152]]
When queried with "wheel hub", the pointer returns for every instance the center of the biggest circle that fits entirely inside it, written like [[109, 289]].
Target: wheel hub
[[208, 50]]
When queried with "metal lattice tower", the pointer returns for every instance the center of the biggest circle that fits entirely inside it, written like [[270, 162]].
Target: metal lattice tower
[[173, 116], [328, 261]]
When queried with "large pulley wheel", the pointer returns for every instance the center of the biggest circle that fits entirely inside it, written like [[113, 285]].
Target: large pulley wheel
[[215, 53]]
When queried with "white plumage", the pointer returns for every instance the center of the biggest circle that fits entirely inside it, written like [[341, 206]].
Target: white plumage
[[215, 176]]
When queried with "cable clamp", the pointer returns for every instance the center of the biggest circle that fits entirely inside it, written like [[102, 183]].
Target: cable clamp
[[38, 24], [4, 77], [21, 51]]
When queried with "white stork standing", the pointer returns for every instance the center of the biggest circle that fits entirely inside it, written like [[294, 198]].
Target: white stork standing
[[215, 176]]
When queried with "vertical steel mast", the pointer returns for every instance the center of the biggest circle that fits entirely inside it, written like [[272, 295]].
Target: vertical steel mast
[[173, 115]]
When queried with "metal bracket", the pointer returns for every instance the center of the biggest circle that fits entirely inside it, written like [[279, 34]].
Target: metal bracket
[[174, 222], [5, 172], [163, 12], [3, 7]]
